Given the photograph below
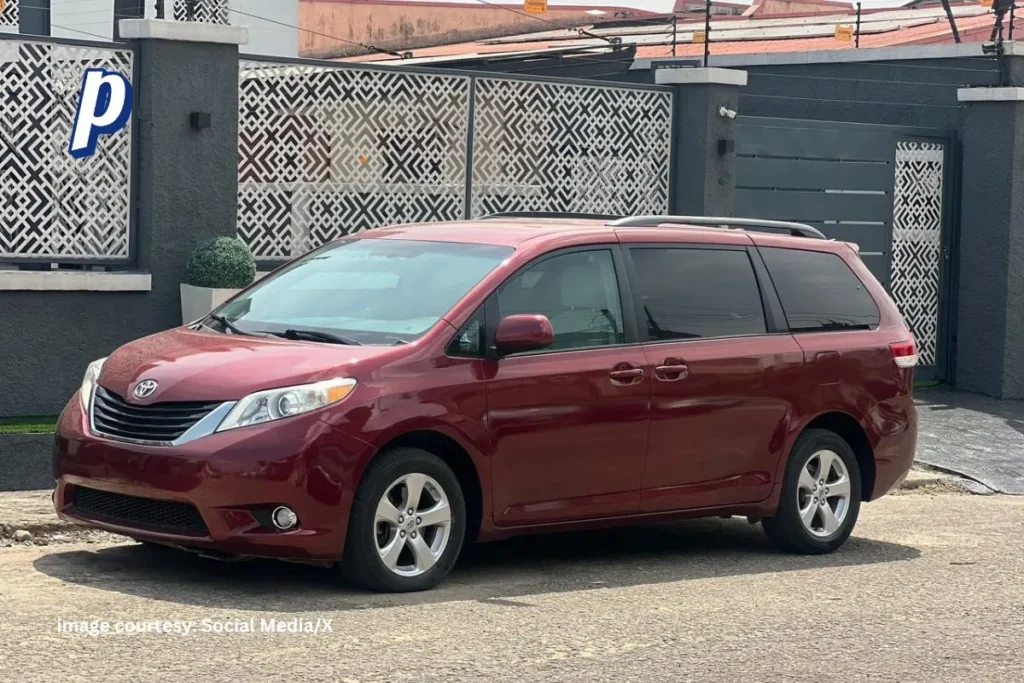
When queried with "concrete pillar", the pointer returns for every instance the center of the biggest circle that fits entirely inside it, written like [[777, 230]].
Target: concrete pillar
[[704, 156], [990, 308], [186, 177]]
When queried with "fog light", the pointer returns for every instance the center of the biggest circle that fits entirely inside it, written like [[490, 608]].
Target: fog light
[[284, 518]]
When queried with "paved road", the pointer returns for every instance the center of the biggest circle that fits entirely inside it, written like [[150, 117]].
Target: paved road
[[976, 436], [928, 590]]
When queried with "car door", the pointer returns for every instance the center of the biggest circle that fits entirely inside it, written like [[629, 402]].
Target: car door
[[720, 372], [568, 423]]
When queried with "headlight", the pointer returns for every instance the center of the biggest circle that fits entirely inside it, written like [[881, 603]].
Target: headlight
[[92, 375], [274, 404]]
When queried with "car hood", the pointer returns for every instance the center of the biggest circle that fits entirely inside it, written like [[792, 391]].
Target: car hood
[[201, 365]]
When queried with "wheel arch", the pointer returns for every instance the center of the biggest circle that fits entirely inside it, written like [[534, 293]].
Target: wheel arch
[[849, 429], [456, 456]]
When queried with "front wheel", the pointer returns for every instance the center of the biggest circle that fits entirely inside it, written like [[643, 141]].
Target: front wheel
[[407, 524], [820, 497]]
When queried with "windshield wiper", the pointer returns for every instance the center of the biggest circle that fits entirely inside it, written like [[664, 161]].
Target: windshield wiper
[[315, 335], [231, 326]]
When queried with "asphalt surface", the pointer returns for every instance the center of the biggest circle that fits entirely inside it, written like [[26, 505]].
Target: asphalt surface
[[972, 435], [928, 589]]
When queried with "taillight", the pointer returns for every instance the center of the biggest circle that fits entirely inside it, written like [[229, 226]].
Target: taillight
[[904, 353]]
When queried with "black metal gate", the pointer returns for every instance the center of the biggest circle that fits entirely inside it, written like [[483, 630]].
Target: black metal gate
[[887, 188]]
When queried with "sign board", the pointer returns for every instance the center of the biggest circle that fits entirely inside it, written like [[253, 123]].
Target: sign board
[[536, 6], [699, 36], [844, 32], [104, 107], [986, 3]]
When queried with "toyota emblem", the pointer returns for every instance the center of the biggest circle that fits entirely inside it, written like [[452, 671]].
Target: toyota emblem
[[145, 388]]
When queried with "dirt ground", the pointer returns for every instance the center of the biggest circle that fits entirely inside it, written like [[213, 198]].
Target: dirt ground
[[928, 589]]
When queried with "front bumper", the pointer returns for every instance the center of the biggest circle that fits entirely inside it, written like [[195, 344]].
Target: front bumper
[[300, 462]]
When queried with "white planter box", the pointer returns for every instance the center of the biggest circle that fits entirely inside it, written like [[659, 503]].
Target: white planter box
[[197, 302]]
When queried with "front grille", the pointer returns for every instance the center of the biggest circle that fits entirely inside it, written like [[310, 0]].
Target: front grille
[[133, 511], [162, 422]]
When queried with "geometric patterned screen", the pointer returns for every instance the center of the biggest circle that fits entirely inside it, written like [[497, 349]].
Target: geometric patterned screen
[[917, 240], [542, 146], [53, 206], [9, 15], [326, 151], [206, 11]]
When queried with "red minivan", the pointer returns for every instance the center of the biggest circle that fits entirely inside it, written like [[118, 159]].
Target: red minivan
[[393, 395]]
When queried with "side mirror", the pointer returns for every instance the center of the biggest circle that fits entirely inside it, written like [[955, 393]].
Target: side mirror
[[519, 333]]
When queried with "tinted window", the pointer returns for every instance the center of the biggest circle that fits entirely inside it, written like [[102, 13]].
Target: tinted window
[[376, 291], [819, 291], [470, 339], [693, 293], [578, 292]]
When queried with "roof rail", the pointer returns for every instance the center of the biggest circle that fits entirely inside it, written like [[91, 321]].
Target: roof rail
[[795, 229], [551, 214]]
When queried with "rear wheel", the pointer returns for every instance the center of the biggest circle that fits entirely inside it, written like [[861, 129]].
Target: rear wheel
[[820, 498], [407, 524]]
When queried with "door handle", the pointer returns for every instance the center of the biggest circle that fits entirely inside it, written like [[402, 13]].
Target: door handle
[[621, 375], [671, 370]]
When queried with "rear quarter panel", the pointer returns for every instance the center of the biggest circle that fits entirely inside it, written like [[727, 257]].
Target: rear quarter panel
[[854, 372]]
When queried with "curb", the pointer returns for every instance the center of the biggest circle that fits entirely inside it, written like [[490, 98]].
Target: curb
[[965, 481], [26, 461]]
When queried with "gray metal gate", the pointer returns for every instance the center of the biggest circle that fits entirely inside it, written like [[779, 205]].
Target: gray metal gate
[[887, 188]]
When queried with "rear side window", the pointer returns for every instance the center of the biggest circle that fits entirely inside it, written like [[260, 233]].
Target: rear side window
[[819, 292], [697, 293]]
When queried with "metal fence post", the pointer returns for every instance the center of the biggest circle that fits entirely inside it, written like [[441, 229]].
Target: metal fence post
[[470, 126]]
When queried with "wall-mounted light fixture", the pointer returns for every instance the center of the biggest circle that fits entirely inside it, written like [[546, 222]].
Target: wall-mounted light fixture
[[199, 120]]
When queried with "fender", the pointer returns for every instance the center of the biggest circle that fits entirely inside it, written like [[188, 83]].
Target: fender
[[801, 425], [423, 423]]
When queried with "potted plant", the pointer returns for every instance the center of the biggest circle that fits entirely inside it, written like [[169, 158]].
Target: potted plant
[[216, 271]]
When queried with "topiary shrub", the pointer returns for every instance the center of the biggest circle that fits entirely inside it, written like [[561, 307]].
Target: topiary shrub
[[224, 263]]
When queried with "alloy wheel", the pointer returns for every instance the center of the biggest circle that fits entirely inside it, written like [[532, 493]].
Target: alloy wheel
[[823, 496], [412, 524]]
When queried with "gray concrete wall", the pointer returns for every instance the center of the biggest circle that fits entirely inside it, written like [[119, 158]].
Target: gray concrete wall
[[705, 179], [918, 92], [187, 194], [26, 462], [990, 312], [188, 179], [984, 249], [914, 93]]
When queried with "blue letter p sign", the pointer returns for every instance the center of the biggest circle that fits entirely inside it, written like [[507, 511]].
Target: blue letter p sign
[[104, 106]]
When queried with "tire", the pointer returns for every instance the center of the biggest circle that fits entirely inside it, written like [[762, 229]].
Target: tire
[[814, 532], [419, 558]]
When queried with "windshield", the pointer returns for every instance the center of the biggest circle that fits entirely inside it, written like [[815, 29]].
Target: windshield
[[367, 291]]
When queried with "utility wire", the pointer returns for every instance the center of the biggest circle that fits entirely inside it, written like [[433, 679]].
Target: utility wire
[[64, 28], [614, 40], [365, 46], [404, 54]]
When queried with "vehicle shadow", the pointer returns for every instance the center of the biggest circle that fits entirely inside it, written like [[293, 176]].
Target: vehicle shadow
[[502, 573]]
